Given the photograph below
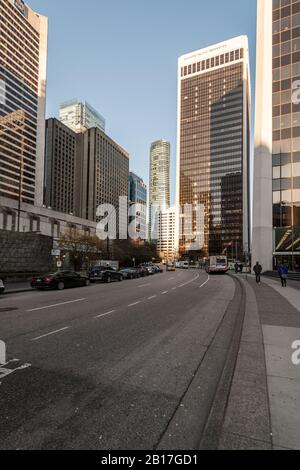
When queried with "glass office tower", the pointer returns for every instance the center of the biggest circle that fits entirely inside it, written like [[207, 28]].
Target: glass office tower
[[213, 150], [276, 234], [23, 61]]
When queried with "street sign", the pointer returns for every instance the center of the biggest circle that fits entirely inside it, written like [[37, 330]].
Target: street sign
[[55, 252], [59, 264]]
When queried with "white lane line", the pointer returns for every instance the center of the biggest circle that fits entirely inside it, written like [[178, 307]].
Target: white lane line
[[145, 285], [55, 305], [52, 333], [171, 278], [204, 283], [164, 293], [105, 314], [135, 303], [152, 297], [189, 282], [174, 288]]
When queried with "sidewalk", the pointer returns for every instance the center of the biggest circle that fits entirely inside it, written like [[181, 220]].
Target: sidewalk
[[264, 405]]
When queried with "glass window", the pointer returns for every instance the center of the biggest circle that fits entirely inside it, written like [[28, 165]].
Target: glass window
[[286, 197], [296, 195], [276, 172], [286, 171], [285, 72], [296, 169], [276, 197], [286, 121]]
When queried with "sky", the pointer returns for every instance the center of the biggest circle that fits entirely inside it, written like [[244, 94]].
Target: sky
[[121, 57]]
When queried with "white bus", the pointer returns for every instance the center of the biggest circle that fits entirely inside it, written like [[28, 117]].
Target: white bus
[[217, 265]]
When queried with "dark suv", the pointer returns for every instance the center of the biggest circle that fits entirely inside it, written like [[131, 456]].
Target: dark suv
[[104, 274]]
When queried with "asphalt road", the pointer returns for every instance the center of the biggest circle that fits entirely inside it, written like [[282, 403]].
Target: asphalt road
[[109, 366]]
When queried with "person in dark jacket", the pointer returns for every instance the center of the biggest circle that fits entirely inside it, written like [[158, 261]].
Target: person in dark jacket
[[283, 274], [257, 270]]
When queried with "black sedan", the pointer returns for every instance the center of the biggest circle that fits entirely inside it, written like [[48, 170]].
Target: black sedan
[[59, 280], [105, 274]]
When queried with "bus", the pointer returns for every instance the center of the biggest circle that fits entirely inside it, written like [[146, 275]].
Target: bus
[[217, 265]]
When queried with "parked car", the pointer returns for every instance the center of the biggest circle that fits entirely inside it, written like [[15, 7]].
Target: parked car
[[142, 271], [129, 273], [59, 280], [157, 268], [105, 274], [2, 287]]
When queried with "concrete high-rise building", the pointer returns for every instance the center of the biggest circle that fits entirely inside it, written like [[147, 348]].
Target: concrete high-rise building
[[103, 169], [137, 196], [213, 150], [80, 116], [62, 157], [166, 234], [276, 204], [23, 63], [159, 186]]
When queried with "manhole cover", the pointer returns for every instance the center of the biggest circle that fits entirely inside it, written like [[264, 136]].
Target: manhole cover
[[8, 309]]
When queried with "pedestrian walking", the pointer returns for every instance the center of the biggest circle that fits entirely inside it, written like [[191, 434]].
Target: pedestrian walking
[[257, 270], [283, 274], [236, 267]]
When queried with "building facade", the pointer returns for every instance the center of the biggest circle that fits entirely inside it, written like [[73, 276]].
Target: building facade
[[166, 246], [159, 185], [103, 170], [23, 62], [213, 151], [137, 196], [40, 220], [62, 151], [276, 205], [80, 116]]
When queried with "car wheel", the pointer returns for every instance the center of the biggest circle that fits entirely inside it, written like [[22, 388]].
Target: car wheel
[[108, 280], [120, 278], [60, 286], [87, 282]]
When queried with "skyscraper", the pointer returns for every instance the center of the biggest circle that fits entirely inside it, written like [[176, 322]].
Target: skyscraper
[[276, 205], [80, 116], [213, 150], [62, 159], [159, 186], [103, 173], [137, 195], [23, 61], [166, 234]]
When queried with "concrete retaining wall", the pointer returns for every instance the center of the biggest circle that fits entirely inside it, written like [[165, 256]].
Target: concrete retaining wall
[[25, 252]]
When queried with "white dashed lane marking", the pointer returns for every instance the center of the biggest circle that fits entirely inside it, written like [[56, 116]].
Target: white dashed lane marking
[[105, 314], [55, 305], [51, 333]]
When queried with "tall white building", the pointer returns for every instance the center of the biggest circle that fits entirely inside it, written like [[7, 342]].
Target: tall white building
[[80, 116], [166, 234], [276, 204], [23, 67], [213, 150], [159, 185]]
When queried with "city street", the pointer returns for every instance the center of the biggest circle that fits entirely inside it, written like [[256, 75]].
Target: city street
[[109, 366]]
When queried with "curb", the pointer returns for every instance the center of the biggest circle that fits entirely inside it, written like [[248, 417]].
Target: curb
[[248, 426], [17, 291]]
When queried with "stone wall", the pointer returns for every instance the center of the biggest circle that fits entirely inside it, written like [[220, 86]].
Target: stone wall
[[25, 252]]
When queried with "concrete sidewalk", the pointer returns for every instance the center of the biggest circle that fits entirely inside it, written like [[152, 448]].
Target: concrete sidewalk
[[264, 405]]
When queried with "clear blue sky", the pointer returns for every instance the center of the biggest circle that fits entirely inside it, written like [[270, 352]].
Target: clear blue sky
[[121, 56]]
